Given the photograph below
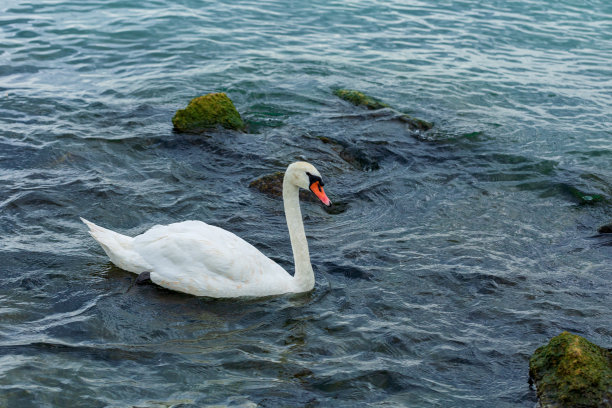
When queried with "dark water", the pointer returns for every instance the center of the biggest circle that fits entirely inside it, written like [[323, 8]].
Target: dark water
[[452, 256]]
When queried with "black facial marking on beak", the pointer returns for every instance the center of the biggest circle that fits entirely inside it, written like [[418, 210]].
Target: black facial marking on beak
[[313, 179]]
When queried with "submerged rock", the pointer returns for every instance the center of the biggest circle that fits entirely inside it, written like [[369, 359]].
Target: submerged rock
[[360, 99], [605, 229], [351, 154], [570, 371], [206, 112], [584, 198], [415, 123], [272, 185]]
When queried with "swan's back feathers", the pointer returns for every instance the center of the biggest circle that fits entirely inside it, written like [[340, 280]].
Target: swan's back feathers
[[119, 248], [202, 259], [196, 258]]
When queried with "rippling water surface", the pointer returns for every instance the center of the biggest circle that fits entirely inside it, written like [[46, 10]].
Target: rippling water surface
[[451, 256]]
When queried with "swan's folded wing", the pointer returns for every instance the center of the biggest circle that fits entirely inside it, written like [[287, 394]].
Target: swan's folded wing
[[203, 256]]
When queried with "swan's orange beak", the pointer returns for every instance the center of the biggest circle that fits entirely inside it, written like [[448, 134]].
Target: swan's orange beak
[[317, 189]]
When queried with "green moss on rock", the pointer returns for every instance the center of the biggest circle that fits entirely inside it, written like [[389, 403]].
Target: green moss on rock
[[570, 371], [359, 99], [206, 112], [415, 123]]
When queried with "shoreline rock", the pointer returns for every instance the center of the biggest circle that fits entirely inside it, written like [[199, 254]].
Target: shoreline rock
[[570, 371], [207, 112]]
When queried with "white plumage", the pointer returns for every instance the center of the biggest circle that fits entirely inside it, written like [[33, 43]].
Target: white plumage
[[204, 260]]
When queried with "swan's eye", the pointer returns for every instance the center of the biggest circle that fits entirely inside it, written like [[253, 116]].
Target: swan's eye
[[313, 179]]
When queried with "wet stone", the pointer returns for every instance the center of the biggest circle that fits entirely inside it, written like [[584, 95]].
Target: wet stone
[[360, 99], [570, 371], [605, 229], [272, 186], [207, 112], [351, 154]]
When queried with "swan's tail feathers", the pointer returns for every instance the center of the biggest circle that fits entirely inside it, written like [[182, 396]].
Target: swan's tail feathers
[[118, 247]]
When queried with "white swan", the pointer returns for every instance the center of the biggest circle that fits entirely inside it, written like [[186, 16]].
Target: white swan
[[204, 260]]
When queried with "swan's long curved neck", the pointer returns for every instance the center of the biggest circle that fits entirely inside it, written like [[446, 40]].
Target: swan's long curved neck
[[304, 275]]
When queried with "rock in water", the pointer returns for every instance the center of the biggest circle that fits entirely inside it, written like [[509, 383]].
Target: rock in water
[[360, 99], [206, 112], [351, 154], [570, 371], [605, 229], [272, 185]]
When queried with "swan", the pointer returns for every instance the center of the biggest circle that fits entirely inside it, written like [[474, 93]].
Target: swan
[[203, 260]]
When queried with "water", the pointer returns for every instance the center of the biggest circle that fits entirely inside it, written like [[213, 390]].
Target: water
[[437, 277]]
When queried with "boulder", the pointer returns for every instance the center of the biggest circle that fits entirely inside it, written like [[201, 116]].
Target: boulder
[[570, 371], [207, 112]]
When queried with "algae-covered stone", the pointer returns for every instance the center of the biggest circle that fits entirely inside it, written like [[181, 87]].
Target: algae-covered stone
[[206, 112], [416, 123], [359, 99], [570, 371]]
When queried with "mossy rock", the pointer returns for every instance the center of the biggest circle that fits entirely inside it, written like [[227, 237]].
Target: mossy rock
[[359, 99], [570, 371], [415, 123], [605, 229], [207, 112]]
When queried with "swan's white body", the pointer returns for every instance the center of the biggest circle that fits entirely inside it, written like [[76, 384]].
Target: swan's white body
[[204, 260]]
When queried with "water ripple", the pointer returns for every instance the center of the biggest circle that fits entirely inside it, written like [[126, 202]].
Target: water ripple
[[451, 256]]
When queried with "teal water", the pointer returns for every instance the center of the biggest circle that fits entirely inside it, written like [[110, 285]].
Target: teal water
[[444, 266]]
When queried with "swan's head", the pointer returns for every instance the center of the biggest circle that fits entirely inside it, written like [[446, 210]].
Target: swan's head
[[306, 176]]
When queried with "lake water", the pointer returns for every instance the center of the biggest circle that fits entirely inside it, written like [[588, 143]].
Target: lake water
[[450, 256]]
